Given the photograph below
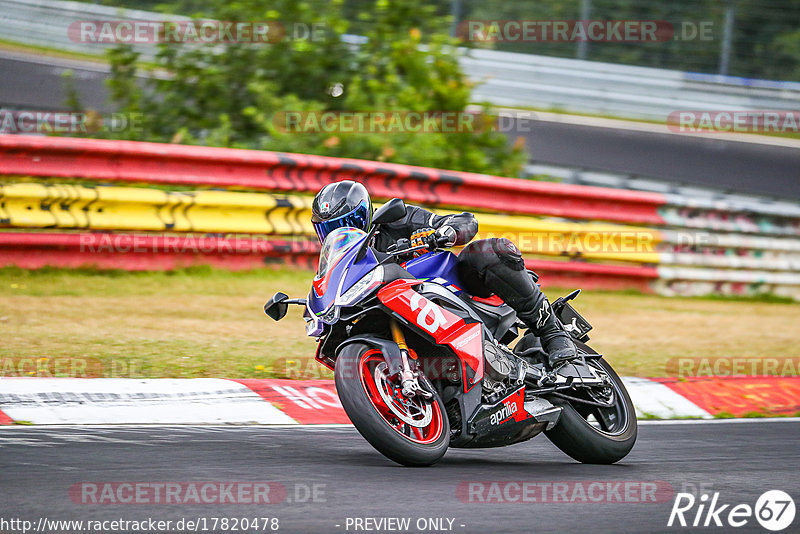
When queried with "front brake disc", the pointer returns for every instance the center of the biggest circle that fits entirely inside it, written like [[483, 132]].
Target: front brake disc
[[408, 405]]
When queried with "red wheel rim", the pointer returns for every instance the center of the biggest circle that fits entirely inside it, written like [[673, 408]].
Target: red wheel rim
[[411, 408]]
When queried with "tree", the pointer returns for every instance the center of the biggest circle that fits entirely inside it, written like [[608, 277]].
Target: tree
[[234, 94]]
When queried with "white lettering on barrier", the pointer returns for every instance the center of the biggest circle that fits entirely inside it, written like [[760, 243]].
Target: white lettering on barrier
[[310, 398]]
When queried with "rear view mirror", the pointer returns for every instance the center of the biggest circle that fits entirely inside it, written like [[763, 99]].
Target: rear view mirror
[[392, 211], [275, 307]]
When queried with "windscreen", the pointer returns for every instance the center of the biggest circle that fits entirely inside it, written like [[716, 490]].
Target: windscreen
[[336, 245]]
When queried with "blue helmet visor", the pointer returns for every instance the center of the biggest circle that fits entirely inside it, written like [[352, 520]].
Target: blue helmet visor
[[358, 218]]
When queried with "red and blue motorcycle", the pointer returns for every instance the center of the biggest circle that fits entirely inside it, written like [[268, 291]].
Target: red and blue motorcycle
[[420, 365]]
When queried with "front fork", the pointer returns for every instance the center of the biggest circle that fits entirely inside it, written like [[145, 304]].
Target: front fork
[[408, 377]]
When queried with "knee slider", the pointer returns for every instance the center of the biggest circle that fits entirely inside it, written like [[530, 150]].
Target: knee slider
[[508, 253]]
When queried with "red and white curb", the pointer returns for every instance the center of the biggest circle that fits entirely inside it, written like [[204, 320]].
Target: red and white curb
[[287, 402]]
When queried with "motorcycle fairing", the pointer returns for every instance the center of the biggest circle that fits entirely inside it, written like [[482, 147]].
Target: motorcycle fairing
[[492, 300], [465, 339], [440, 266], [502, 423], [328, 362], [339, 278], [514, 407]]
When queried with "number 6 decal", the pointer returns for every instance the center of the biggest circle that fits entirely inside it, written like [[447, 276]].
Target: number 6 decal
[[431, 310]]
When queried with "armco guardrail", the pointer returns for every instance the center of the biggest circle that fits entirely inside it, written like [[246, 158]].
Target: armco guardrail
[[47, 23], [129, 161], [67, 206], [527, 80], [667, 243], [508, 79], [147, 252]]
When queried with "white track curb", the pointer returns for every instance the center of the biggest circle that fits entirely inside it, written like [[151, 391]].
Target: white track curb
[[99, 401]]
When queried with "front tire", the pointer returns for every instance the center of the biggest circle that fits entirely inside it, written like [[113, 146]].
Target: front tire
[[612, 435], [411, 432]]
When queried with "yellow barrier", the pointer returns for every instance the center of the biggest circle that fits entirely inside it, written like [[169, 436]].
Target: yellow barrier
[[39, 205], [34, 205], [588, 240]]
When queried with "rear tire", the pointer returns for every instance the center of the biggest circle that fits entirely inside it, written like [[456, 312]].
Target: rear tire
[[588, 444], [360, 376]]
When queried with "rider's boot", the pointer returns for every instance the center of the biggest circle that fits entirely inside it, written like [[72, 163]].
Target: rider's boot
[[541, 320]]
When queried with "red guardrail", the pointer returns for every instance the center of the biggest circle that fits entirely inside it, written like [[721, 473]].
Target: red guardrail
[[140, 252], [146, 252], [130, 161]]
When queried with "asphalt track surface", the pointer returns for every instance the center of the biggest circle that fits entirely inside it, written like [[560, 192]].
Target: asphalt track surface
[[749, 168], [38, 465], [34, 82]]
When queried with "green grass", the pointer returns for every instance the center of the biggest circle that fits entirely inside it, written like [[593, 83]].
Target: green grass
[[203, 322], [754, 415], [55, 52], [99, 57]]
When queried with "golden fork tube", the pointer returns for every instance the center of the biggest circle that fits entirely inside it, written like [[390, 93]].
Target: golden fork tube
[[408, 379], [397, 335]]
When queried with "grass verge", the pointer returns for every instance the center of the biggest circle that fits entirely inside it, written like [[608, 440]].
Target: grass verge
[[202, 322]]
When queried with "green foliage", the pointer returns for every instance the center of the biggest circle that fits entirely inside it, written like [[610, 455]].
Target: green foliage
[[235, 94]]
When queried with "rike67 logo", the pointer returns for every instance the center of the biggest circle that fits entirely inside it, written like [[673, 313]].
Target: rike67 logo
[[774, 510]]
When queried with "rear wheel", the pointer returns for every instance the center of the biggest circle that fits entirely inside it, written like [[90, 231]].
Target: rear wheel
[[602, 430], [410, 431]]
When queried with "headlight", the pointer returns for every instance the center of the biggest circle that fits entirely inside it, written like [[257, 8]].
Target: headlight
[[361, 288], [314, 325], [332, 315]]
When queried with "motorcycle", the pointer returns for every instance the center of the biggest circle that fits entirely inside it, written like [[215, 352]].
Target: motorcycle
[[420, 365]]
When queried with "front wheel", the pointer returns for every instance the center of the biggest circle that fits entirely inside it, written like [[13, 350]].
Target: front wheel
[[602, 431], [412, 432]]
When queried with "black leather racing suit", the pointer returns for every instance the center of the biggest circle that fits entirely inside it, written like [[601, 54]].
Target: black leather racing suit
[[489, 266]]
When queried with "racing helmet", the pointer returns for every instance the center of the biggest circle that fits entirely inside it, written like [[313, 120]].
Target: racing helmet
[[339, 204]]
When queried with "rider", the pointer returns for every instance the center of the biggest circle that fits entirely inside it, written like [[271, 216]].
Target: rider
[[485, 266]]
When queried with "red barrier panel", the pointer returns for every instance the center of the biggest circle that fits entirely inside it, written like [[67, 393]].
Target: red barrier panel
[[147, 252], [5, 419], [574, 274], [141, 252], [130, 161]]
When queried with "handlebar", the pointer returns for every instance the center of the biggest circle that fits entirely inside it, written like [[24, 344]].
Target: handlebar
[[434, 244]]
